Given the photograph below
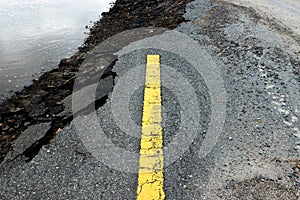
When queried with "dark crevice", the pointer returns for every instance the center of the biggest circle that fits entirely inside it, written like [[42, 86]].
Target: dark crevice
[[91, 107], [59, 123]]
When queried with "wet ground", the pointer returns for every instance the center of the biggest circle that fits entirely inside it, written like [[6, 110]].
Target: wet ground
[[35, 35]]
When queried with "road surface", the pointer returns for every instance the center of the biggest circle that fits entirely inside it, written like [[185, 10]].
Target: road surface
[[213, 113]]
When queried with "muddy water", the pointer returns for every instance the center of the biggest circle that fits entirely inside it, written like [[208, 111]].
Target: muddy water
[[36, 34]]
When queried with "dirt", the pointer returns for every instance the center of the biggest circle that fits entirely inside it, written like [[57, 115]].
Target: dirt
[[40, 102], [235, 34], [248, 189]]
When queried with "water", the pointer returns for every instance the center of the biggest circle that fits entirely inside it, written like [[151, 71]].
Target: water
[[36, 34]]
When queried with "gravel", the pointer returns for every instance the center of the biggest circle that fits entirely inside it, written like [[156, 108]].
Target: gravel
[[262, 84]]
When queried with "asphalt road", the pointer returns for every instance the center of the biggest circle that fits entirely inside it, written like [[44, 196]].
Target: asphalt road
[[230, 117]]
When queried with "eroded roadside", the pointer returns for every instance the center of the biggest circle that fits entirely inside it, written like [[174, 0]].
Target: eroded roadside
[[42, 102], [258, 154]]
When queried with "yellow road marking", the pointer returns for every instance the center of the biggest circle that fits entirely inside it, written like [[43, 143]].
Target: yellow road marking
[[150, 176]]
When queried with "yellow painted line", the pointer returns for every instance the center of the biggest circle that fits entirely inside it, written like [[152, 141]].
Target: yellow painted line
[[150, 176]]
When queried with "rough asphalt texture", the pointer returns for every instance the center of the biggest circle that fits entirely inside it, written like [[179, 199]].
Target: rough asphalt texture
[[257, 156], [261, 135]]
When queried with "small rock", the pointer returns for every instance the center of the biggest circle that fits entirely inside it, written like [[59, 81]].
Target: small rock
[[14, 110], [37, 110]]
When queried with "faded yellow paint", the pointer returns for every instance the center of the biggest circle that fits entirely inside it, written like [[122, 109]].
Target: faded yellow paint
[[150, 177]]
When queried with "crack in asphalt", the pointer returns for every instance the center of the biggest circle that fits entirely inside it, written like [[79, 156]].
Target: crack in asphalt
[[58, 123]]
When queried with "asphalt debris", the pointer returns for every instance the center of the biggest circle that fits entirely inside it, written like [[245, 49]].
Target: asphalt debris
[[41, 101]]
